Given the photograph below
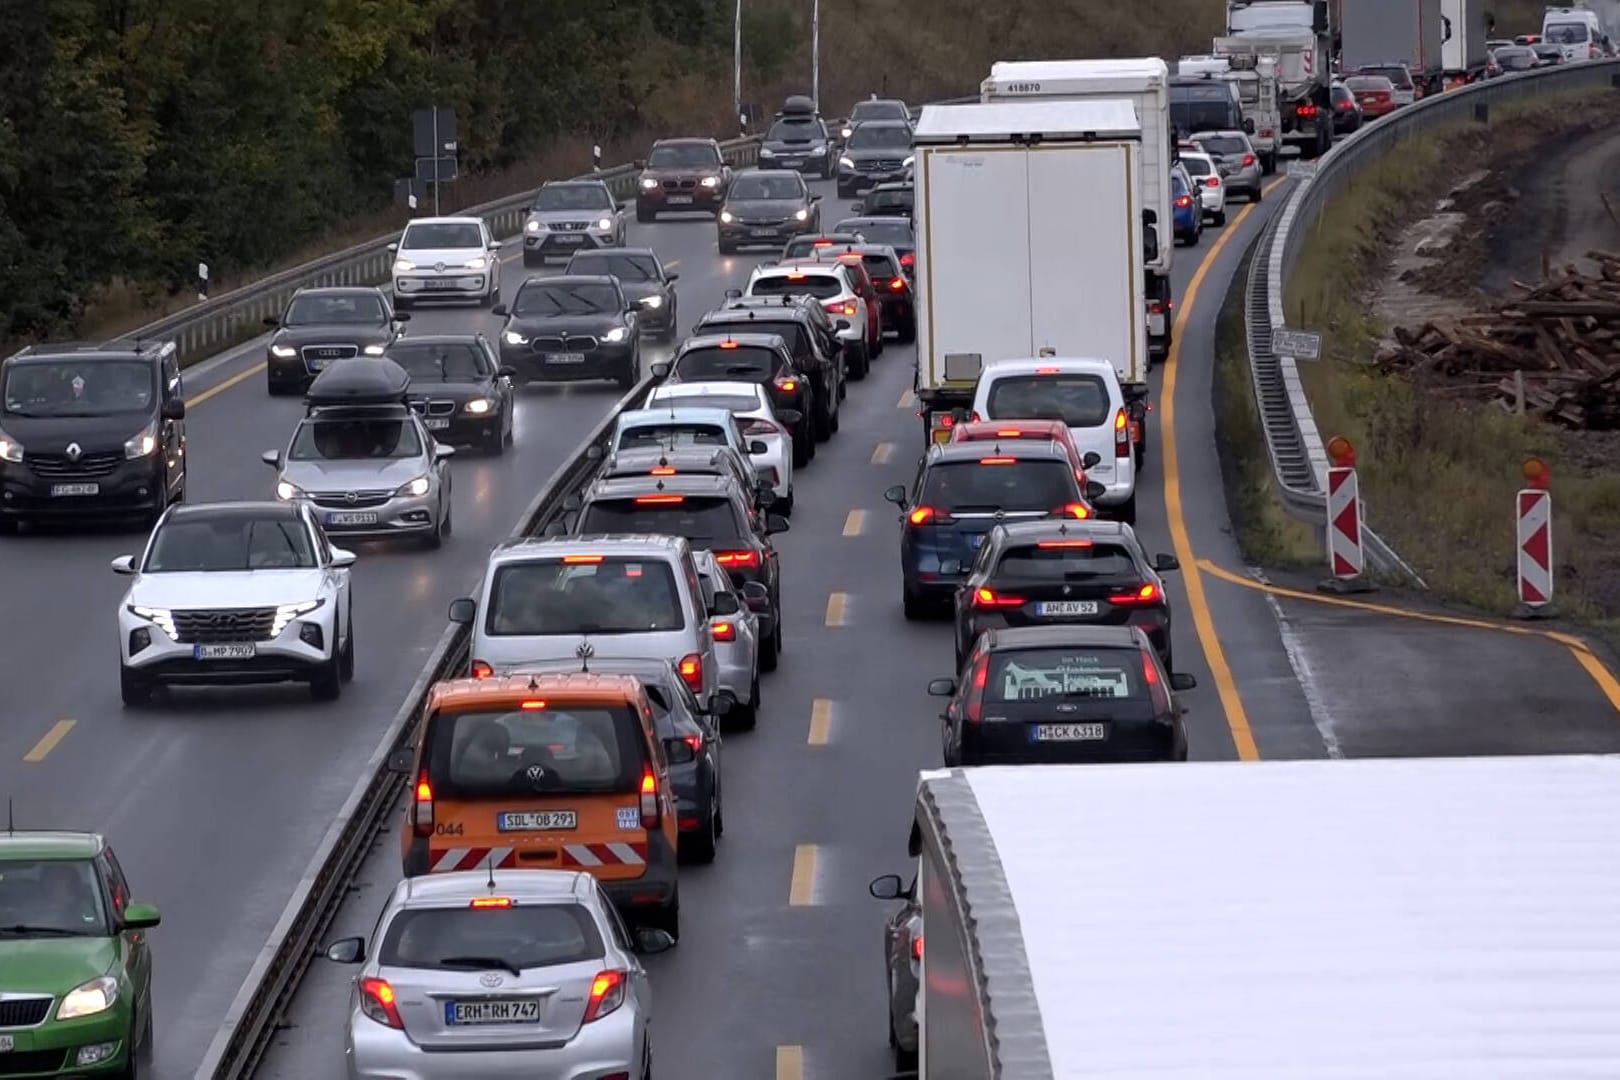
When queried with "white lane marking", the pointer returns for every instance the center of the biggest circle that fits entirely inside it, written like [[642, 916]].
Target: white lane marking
[[1293, 644]]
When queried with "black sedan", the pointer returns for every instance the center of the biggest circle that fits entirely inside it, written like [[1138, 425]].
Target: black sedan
[[644, 280], [459, 388], [755, 358], [767, 208], [326, 324], [796, 326], [1044, 573], [878, 152], [889, 200], [572, 328], [896, 232], [1063, 695]]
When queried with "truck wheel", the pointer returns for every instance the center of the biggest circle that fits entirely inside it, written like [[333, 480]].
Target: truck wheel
[[1127, 510]]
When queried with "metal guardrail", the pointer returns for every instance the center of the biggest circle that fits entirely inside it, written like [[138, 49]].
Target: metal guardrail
[[1299, 461]]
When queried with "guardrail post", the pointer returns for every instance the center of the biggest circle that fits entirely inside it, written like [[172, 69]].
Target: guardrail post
[[1482, 112], [1347, 555]]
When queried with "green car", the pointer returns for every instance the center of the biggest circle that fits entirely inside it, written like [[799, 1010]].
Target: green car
[[75, 963]]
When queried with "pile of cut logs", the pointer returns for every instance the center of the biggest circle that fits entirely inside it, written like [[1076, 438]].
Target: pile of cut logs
[[1554, 351]]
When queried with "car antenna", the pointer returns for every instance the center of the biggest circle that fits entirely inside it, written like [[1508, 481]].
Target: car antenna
[[489, 868]]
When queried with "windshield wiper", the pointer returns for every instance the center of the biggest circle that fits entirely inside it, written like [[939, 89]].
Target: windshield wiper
[[482, 962], [44, 931]]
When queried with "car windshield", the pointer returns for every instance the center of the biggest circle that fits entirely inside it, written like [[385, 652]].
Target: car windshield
[[1077, 400], [767, 186], [703, 519], [684, 156], [49, 898], [224, 544], [749, 363], [795, 129], [633, 268], [441, 234], [352, 309], [1223, 144], [468, 939], [1078, 672], [546, 299], [897, 233], [878, 110], [353, 439], [75, 388], [1370, 83], [1197, 166], [594, 594], [969, 487], [1567, 34], [573, 197], [461, 361], [673, 434], [709, 401], [820, 286], [880, 137], [1067, 560], [546, 747], [1397, 76]]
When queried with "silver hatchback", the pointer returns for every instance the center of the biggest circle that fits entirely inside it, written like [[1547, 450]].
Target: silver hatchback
[[1235, 157], [499, 975], [735, 626]]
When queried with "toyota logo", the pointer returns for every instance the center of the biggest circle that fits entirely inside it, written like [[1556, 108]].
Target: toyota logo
[[351, 498], [490, 979], [74, 451]]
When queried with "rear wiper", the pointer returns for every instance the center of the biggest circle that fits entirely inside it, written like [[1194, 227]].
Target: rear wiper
[[481, 962]]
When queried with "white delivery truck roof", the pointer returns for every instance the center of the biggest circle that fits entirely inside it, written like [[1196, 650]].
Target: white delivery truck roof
[[1396, 918], [1078, 76], [1107, 118]]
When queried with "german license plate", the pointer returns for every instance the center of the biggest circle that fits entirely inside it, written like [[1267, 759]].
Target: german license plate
[[570, 238], [1070, 732], [536, 820], [244, 651], [434, 284], [761, 232], [75, 489], [974, 540], [351, 517], [436, 423], [1066, 607], [792, 163], [680, 200], [462, 1013], [565, 358], [7, 1044]]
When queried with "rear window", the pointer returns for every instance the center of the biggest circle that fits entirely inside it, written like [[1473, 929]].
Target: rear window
[[969, 487], [1576, 33], [1196, 166], [708, 401], [890, 200], [672, 435], [528, 752], [881, 267], [1369, 84], [1077, 400], [1223, 144], [820, 286], [701, 519], [719, 365], [605, 595], [798, 341], [1080, 673], [1397, 76], [1066, 563], [897, 232], [467, 939]]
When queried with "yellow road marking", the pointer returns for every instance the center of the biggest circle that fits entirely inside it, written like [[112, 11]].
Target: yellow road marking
[[1237, 719], [855, 523], [882, 452], [45, 745], [836, 604], [790, 1063], [907, 400], [803, 886], [215, 391], [820, 721]]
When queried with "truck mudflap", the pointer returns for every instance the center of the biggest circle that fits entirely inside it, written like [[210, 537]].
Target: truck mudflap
[[1137, 407], [1160, 317]]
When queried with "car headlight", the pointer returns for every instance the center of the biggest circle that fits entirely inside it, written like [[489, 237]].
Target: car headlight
[[906, 164], [161, 618], [727, 217], [802, 215], [648, 183], [286, 613], [142, 443], [416, 488], [402, 266], [605, 224], [654, 302], [286, 352], [475, 264], [846, 132], [287, 492], [710, 181], [89, 998], [531, 226], [766, 151], [10, 449], [818, 150], [512, 337], [479, 406], [375, 350], [616, 335], [846, 163]]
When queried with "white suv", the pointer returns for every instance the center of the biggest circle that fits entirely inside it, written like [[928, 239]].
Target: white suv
[[833, 288], [446, 258]]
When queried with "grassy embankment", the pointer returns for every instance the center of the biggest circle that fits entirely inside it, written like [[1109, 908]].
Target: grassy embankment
[[1438, 474]]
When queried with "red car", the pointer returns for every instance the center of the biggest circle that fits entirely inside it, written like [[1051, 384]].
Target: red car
[[1374, 93], [1055, 430]]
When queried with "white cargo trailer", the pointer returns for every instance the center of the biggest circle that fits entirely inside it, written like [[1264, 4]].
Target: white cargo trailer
[[1030, 237]]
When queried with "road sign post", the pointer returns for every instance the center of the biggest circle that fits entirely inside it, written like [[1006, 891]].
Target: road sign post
[[1533, 517], [436, 146], [1300, 344], [1347, 557]]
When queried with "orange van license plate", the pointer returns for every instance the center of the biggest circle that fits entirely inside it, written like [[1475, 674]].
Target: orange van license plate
[[536, 820]]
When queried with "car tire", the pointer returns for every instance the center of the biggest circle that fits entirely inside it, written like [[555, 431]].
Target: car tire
[[1220, 219], [862, 365], [1127, 511], [746, 717], [401, 303], [821, 422], [725, 248], [769, 651], [135, 690], [435, 539], [346, 657], [627, 380], [701, 847], [326, 684], [835, 419], [1254, 196], [913, 606], [493, 443], [908, 331], [803, 448], [532, 259], [784, 505], [668, 917]]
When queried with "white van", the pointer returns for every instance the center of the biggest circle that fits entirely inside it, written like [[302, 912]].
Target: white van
[[1575, 30], [1085, 394]]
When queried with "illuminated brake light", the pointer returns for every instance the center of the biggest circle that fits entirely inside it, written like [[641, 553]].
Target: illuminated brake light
[[1122, 435], [998, 461], [1306, 110], [607, 994], [660, 500], [422, 808], [728, 344], [582, 560], [737, 558], [787, 385], [661, 470], [987, 598], [532, 706], [694, 741], [1213, 181], [917, 947], [1183, 201], [1046, 371], [481, 670], [976, 681], [1248, 159], [1145, 594], [897, 284], [923, 515], [1063, 543], [1157, 692], [1008, 433], [796, 277], [908, 259], [723, 631], [377, 1001], [491, 902], [822, 244], [691, 668], [1075, 510], [651, 814]]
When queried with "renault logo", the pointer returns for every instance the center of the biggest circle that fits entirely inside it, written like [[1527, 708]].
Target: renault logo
[[351, 498], [74, 451]]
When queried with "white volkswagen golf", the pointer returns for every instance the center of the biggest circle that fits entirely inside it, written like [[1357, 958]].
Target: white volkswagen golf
[[446, 258], [236, 592]]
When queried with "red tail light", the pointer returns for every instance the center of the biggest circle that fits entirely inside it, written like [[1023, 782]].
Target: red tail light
[[787, 385], [490, 902], [1079, 511], [840, 307], [897, 284], [1145, 596], [998, 461], [661, 470], [1213, 181], [723, 631], [976, 681], [691, 668], [927, 515], [607, 994], [583, 560], [694, 741], [737, 560], [1122, 435], [660, 500], [988, 598], [1157, 692], [1307, 111], [916, 947], [908, 259], [377, 1002], [422, 807], [1184, 201], [728, 344], [651, 814], [481, 670]]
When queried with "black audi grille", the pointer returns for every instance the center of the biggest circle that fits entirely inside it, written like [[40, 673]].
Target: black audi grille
[[679, 185], [328, 353], [363, 500], [224, 625], [62, 467], [434, 408], [32, 1062], [23, 1012], [567, 343]]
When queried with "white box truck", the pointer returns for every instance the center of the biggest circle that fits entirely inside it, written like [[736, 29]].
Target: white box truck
[[1463, 32], [1368, 918], [1030, 237], [1146, 83]]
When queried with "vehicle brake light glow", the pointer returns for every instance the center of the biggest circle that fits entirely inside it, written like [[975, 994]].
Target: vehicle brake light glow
[[491, 902], [377, 1002], [1183, 201], [481, 670], [723, 631], [1145, 594], [1008, 433], [795, 277], [1248, 159], [1122, 435], [787, 385], [737, 558], [651, 815], [728, 344], [1078, 511], [822, 244], [660, 500], [607, 994], [987, 598], [661, 470], [917, 947], [1157, 691], [998, 461], [897, 284], [1063, 543], [1305, 111], [923, 515], [581, 560], [908, 259], [694, 741], [532, 706], [422, 810], [1213, 181], [1046, 371], [691, 668], [976, 681]]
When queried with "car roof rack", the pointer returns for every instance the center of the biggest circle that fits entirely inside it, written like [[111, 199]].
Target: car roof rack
[[108, 349], [359, 382]]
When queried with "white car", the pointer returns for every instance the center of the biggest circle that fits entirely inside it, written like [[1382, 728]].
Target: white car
[[756, 418], [1206, 180], [735, 629], [446, 258], [833, 287], [238, 592]]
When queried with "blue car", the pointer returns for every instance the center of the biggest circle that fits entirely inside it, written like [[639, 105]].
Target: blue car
[[965, 489], [1188, 210]]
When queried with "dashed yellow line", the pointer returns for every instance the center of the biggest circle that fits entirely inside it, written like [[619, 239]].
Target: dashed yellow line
[[882, 452], [215, 391], [58, 732], [820, 722], [855, 523], [837, 604], [801, 891], [790, 1063]]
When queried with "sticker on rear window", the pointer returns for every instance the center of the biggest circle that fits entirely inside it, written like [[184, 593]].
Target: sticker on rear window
[[628, 818]]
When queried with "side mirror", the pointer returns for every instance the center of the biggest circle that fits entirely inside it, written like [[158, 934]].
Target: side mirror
[[124, 564], [650, 941], [342, 559], [679, 752], [174, 409], [887, 887], [349, 950], [441, 452], [507, 372], [776, 523], [494, 245], [463, 610], [756, 595], [841, 324], [815, 198], [638, 164], [725, 603], [719, 705], [402, 761], [1248, 127], [593, 453], [1182, 681], [896, 495], [1094, 491], [1091, 459], [941, 687], [660, 370], [499, 309], [1164, 563], [733, 294], [757, 447], [670, 279], [272, 322], [789, 416], [393, 249], [139, 916], [554, 530], [402, 316], [271, 458], [573, 504]]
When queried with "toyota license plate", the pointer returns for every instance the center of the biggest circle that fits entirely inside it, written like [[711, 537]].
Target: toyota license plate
[[1061, 608], [565, 358], [245, 651], [536, 820], [436, 423], [462, 1013], [351, 517], [679, 200], [1070, 732], [58, 490]]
